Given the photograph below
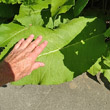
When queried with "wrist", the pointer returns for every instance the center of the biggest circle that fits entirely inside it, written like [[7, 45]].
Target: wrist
[[6, 74]]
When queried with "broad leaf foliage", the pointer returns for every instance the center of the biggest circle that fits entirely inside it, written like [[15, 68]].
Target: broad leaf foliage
[[75, 45]]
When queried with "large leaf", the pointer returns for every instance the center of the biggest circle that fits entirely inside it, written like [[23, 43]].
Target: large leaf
[[60, 65], [82, 55], [40, 31], [52, 56], [90, 31]]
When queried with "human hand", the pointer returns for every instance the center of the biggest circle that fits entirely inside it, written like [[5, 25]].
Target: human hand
[[21, 60]]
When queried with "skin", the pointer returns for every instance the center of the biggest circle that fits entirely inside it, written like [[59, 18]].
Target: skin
[[21, 60]]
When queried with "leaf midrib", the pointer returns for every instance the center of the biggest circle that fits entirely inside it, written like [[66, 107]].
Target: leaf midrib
[[69, 46]]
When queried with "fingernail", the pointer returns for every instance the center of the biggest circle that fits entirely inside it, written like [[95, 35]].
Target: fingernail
[[42, 64], [40, 37], [32, 35], [22, 39], [46, 42]]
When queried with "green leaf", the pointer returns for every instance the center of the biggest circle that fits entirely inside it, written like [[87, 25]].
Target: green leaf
[[55, 71], [90, 31], [82, 55], [93, 29], [79, 6]]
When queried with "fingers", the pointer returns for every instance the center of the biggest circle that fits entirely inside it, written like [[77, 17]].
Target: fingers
[[31, 47], [19, 44], [34, 44], [35, 53], [27, 42], [36, 65]]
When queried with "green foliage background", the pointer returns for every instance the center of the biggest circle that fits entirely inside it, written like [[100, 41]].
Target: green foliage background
[[77, 32]]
